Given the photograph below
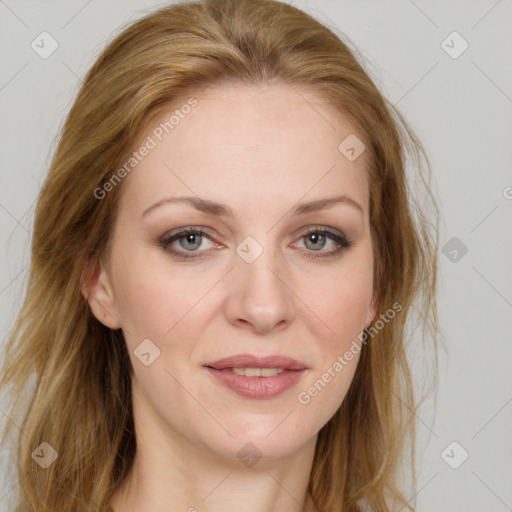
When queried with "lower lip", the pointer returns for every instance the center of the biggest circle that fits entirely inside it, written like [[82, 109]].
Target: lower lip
[[257, 387]]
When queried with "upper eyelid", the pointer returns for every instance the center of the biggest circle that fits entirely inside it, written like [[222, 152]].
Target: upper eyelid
[[206, 230], [181, 232]]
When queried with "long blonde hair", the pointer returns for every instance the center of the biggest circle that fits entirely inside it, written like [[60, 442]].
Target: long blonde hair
[[67, 376]]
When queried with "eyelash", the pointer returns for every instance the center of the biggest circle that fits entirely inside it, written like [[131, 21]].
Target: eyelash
[[341, 240]]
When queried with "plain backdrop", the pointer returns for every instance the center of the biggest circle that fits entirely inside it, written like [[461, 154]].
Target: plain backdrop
[[459, 101]]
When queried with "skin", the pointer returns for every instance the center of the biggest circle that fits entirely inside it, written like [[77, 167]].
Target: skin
[[259, 150]]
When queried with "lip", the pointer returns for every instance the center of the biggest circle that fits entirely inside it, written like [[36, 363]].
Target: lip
[[257, 387], [251, 361]]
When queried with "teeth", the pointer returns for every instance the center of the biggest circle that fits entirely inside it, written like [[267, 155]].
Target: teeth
[[257, 372]]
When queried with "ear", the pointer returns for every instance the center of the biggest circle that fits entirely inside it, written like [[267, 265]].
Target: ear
[[97, 290], [373, 309]]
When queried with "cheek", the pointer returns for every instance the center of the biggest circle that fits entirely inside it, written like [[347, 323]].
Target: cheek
[[159, 301], [146, 304], [343, 301], [347, 307], [343, 308]]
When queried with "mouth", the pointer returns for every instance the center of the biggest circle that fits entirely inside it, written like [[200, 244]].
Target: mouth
[[257, 377]]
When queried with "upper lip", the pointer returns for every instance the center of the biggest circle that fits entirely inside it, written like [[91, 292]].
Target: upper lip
[[251, 361]]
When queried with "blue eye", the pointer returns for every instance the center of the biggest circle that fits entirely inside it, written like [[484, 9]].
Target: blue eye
[[190, 240], [319, 238]]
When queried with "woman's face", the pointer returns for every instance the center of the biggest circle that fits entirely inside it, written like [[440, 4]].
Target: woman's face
[[262, 281]]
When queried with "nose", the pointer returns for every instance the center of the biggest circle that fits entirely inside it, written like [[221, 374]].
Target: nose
[[260, 296]]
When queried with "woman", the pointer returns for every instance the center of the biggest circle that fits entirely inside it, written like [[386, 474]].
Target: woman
[[224, 259]]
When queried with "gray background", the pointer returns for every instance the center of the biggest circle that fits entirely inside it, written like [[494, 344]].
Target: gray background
[[460, 107]]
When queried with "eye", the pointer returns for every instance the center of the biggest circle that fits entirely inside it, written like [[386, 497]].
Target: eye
[[317, 238], [189, 240]]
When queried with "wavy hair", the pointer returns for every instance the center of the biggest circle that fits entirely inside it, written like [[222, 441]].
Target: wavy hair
[[67, 377]]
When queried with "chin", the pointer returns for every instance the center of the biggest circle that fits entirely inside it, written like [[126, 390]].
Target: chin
[[259, 446]]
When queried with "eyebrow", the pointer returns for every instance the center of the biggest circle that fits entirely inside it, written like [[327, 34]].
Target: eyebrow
[[222, 210]]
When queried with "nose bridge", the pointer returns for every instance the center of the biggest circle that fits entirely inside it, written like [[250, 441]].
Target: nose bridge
[[261, 296]]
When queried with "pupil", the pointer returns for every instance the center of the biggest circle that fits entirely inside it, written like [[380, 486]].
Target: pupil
[[316, 240], [191, 241]]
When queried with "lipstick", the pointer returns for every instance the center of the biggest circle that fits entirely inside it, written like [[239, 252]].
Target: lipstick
[[256, 376]]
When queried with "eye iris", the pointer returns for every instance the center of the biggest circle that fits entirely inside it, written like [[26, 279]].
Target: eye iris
[[317, 237], [190, 237]]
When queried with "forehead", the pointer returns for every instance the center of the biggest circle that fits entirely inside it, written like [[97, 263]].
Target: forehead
[[248, 143], [263, 120]]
